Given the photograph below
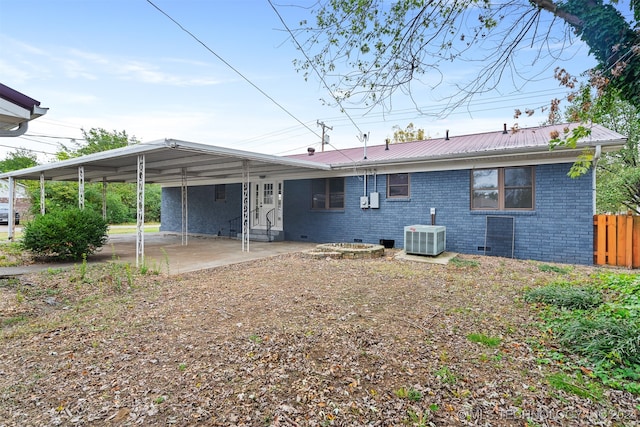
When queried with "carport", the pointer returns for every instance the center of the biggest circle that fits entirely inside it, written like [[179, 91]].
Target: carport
[[166, 162]]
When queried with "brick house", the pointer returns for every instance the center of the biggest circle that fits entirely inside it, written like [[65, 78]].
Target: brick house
[[499, 193], [23, 203]]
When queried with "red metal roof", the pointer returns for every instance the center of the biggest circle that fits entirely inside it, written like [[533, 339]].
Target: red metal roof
[[534, 139]]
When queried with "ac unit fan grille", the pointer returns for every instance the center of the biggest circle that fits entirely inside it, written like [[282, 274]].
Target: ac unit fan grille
[[425, 240]]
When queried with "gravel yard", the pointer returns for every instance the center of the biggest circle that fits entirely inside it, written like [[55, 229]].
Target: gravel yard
[[289, 341]]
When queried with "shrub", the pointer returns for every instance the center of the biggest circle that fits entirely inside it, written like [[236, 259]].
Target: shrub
[[65, 234]]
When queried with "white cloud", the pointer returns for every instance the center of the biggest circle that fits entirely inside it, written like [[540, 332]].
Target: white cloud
[[147, 73]]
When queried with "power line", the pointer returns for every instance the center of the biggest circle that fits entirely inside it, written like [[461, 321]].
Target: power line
[[231, 67], [70, 138], [293, 37], [27, 149], [30, 137], [58, 123]]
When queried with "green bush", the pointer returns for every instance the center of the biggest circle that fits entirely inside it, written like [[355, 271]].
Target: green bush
[[65, 234]]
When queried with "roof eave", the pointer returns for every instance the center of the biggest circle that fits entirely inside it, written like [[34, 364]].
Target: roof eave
[[247, 155], [532, 151]]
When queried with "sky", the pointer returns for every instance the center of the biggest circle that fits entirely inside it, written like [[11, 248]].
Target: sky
[[122, 65]]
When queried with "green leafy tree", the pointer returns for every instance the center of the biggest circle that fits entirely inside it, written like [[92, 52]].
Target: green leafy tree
[[408, 134], [95, 141], [121, 198], [366, 51], [618, 173], [20, 158]]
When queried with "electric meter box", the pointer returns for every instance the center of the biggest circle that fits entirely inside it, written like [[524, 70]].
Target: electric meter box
[[374, 200]]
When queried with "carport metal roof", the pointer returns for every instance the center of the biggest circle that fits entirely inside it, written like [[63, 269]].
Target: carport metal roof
[[165, 163]]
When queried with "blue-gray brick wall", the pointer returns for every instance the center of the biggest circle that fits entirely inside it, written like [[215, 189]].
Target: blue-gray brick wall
[[205, 214], [560, 229]]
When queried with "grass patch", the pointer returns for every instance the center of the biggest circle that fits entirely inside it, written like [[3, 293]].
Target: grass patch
[[484, 339], [578, 385], [131, 229], [461, 262], [446, 375], [12, 321], [603, 338], [409, 394], [598, 322], [256, 339], [11, 254], [4, 235], [554, 269], [565, 295]]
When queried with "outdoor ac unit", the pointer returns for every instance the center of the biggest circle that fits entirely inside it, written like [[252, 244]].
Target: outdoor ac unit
[[425, 239]]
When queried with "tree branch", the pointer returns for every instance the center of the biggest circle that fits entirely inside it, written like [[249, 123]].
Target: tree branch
[[552, 7]]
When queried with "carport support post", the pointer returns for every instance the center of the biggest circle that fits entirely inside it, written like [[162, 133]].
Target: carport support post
[[81, 187], [42, 205], [11, 223], [140, 211], [104, 198], [185, 205], [245, 205]]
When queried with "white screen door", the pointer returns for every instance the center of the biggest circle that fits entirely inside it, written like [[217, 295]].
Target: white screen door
[[267, 204]]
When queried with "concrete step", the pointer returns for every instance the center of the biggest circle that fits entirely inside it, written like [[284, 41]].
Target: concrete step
[[261, 236]]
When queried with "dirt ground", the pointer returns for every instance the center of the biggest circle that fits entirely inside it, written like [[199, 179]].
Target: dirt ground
[[288, 341]]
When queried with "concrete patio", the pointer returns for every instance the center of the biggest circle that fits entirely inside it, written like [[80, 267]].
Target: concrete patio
[[162, 249]]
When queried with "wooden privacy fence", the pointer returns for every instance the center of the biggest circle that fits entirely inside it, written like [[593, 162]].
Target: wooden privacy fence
[[616, 240]]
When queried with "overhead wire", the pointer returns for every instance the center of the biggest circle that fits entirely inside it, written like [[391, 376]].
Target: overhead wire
[[372, 116], [28, 149], [293, 37], [235, 70], [292, 131], [320, 77]]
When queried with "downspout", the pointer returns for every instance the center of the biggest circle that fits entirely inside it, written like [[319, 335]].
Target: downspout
[[21, 130], [365, 178], [596, 157]]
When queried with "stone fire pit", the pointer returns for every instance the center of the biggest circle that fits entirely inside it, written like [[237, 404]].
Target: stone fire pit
[[346, 250]]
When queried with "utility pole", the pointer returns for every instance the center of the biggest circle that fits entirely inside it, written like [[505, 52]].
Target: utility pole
[[323, 130]]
